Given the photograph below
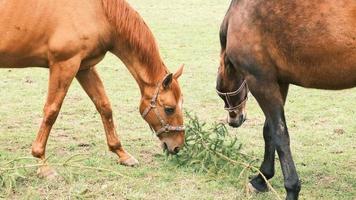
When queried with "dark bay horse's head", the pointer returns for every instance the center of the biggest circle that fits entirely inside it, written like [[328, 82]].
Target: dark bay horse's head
[[161, 107], [232, 89]]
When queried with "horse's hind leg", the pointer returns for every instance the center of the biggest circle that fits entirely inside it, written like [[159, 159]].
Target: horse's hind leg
[[93, 86], [60, 78], [267, 167], [269, 96]]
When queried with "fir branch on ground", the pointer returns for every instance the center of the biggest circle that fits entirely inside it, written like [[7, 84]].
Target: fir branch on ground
[[203, 142], [211, 150]]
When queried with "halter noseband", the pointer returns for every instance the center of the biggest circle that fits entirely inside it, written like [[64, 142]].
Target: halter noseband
[[153, 106], [228, 95]]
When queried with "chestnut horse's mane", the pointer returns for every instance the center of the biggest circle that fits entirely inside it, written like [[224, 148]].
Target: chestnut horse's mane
[[129, 24]]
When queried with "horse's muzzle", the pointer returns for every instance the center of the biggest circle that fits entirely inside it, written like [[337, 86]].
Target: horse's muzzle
[[172, 151], [237, 121]]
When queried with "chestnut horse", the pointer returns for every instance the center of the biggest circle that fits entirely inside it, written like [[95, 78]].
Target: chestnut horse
[[70, 38], [272, 44]]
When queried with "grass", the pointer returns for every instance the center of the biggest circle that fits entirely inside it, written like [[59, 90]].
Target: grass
[[321, 123]]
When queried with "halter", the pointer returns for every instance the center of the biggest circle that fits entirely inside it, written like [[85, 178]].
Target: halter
[[166, 127], [228, 95]]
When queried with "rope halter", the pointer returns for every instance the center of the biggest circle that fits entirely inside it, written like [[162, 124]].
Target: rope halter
[[228, 95], [165, 127]]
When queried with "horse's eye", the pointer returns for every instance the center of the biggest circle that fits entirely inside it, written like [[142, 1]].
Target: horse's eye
[[169, 110]]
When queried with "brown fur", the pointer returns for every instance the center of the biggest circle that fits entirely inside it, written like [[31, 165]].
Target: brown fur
[[275, 43], [302, 41], [70, 38]]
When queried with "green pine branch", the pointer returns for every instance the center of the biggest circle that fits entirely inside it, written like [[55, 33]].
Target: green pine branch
[[213, 151]]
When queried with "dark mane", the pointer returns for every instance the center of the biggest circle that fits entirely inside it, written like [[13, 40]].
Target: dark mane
[[224, 25], [233, 2], [223, 33], [130, 25]]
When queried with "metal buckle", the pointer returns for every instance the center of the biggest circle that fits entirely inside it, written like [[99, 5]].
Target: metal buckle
[[166, 128], [153, 104]]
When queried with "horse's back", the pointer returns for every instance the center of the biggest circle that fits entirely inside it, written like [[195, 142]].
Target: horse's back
[[31, 30], [308, 42]]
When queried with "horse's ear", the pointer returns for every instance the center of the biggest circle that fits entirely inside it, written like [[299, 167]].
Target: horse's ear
[[178, 72], [167, 81]]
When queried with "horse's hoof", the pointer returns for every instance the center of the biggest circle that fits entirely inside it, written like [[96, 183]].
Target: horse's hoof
[[46, 172], [252, 189], [131, 162], [257, 185]]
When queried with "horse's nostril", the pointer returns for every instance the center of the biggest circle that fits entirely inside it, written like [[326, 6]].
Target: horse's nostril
[[242, 118], [176, 150], [165, 147]]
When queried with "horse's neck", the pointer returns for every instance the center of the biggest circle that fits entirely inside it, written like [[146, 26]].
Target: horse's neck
[[134, 43], [139, 69], [147, 70]]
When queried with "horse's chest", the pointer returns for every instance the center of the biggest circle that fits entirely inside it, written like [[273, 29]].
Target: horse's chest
[[92, 60]]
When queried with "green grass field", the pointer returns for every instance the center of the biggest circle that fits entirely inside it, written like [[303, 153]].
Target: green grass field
[[322, 124]]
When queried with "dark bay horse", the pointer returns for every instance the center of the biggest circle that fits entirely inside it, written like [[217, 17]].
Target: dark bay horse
[[70, 38], [272, 44]]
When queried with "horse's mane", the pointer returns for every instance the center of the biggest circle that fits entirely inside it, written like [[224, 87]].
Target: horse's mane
[[130, 25], [233, 2], [226, 68]]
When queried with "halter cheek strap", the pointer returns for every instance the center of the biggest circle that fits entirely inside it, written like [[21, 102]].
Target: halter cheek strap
[[165, 127], [230, 107]]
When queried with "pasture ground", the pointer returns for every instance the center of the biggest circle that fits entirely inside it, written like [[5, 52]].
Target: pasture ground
[[321, 123]]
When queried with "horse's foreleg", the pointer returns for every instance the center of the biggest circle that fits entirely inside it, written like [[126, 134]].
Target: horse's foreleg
[[93, 86], [60, 78], [270, 98], [280, 137], [267, 167]]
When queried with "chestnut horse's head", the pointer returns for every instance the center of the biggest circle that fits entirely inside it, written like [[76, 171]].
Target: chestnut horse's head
[[232, 88], [161, 107]]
